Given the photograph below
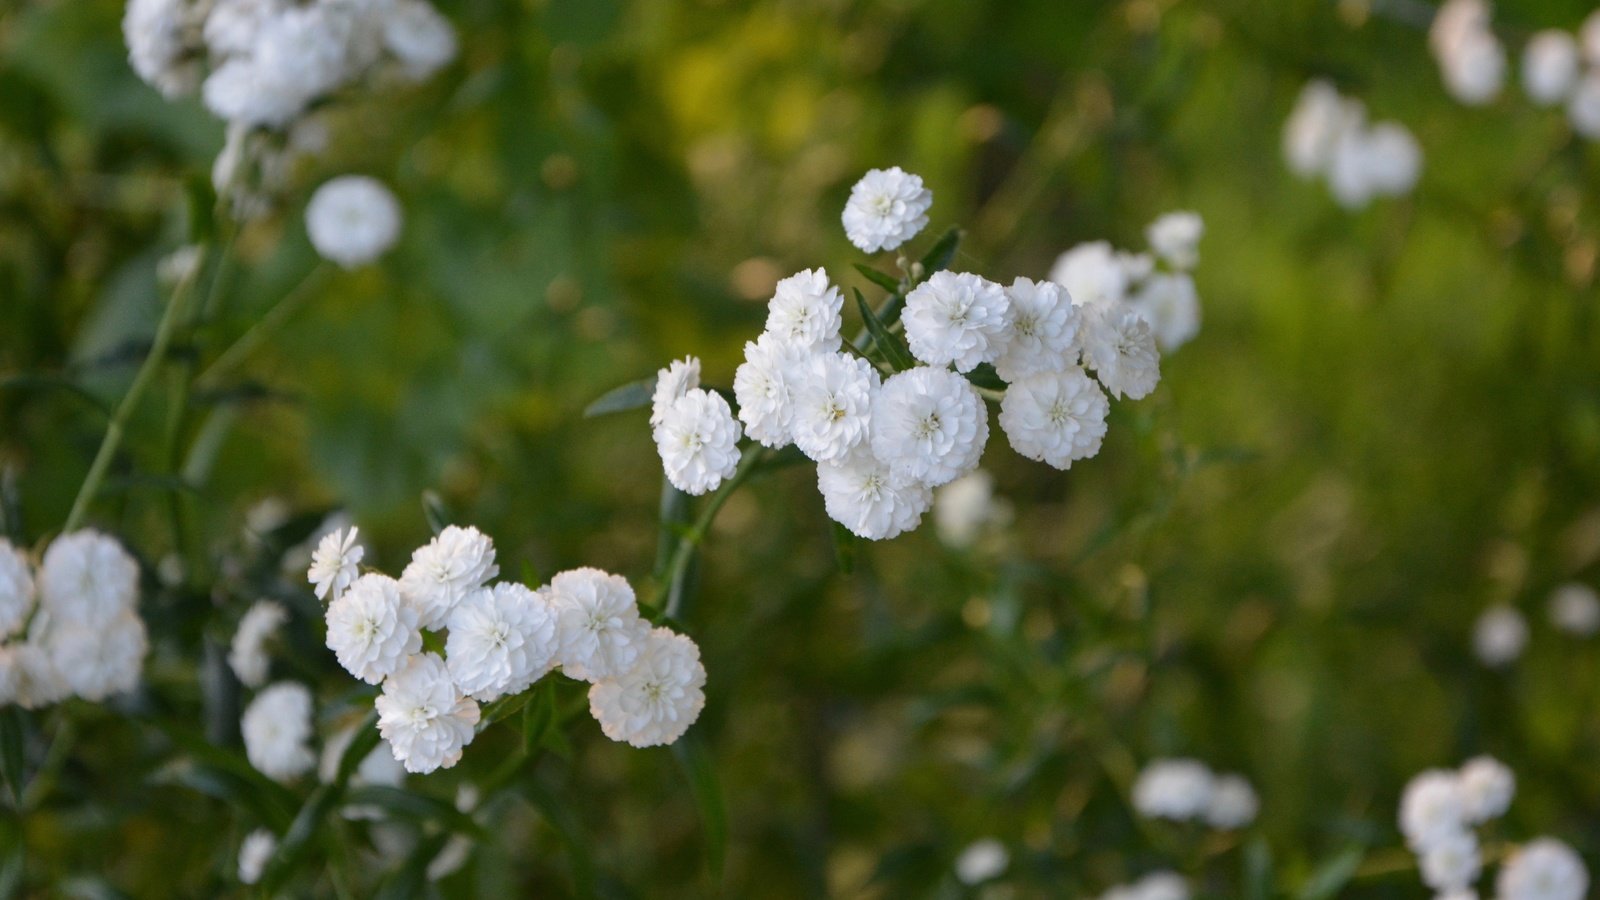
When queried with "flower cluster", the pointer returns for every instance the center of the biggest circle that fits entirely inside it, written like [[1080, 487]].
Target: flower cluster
[[1327, 136], [1438, 812], [1156, 285], [887, 421], [1184, 790], [1154, 886], [499, 639], [1471, 59], [1501, 632], [71, 627]]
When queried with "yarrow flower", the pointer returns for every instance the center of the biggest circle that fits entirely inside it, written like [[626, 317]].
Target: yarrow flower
[[1056, 418], [1171, 306], [458, 560], [1470, 57], [764, 387], [1575, 609], [422, 715], [1043, 330], [502, 639], [352, 220], [1486, 788], [254, 853], [1121, 350], [964, 508], [1451, 862], [1175, 237], [247, 655], [956, 319], [982, 860], [676, 380], [864, 495], [277, 731], [598, 623], [1550, 66], [804, 312], [1328, 136], [372, 629], [86, 577], [887, 207], [657, 698], [335, 562], [1431, 807], [1543, 869], [1499, 636], [96, 660], [1177, 789], [1233, 803], [930, 425], [1155, 886], [1094, 275], [697, 440], [833, 405]]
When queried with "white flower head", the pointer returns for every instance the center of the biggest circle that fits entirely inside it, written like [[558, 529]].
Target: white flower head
[[1486, 789], [1161, 886], [1499, 636], [86, 577], [887, 207], [352, 220], [1431, 807], [372, 629], [254, 853], [1451, 862], [1042, 331], [833, 397], [677, 379], [247, 655], [99, 660], [1055, 417], [502, 639], [424, 717], [32, 675], [1475, 68], [158, 34], [419, 37], [1121, 350], [698, 441], [657, 698], [1176, 789], [16, 589], [1171, 306], [1583, 107], [1550, 66], [597, 623], [1233, 803], [1575, 609], [956, 319], [1543, 869], [965, 507], [1319, 118], [763, 385], [863, 494], [805, 311], [929, 425], [1175, 237], [335, 563], [1093, 274], [277, 731], [982, 860], [458, 560]]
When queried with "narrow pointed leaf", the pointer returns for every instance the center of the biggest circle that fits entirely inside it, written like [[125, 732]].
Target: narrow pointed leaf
[[886, 344], [633, 395], [707, 787], [881, 279], [939, 256], [1331, 877]]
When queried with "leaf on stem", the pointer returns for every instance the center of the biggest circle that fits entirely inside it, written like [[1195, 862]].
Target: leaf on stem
[[942, 252], [633, 395], [881, 279], [691, 754], [887, 345]]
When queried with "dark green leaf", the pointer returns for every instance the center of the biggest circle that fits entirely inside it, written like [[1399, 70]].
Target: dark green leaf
[[202, 209], [226, 785], [881, 279], [1331, 877], [559, 815], [25, 381], [942, 252], [633, 395], [887, 345], [703, 781], [410, 879], [844, 548]]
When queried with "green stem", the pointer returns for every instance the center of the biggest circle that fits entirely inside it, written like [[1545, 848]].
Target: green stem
[[670, 592], [264, 327]]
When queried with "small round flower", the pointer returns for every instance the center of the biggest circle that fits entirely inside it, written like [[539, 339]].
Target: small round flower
[[244, 92], [1161, 886], [87, 577], [254, 853], [1475, 69], [1042, 333], [1177, 789], [155, 31], [887, 207], [1233, 803], [1550, 66], [502, 639], [1093, 275], [1583, 107], [698, 441], [597, 623], [863, 494], [833, 396], [982, 860], [444, 570], [96, 661], [656, 699], [1320, 116], [16, 589], [1055, 417], [964, 508], [1175, 237], [1543, 869], [762, 385], [805, 312], [419, 37], [424, 718], [371, 629], [957, 319], [929, 424], [1499, 636], [1575, 609], [1486, 789], [677, 379], [335, 562], [1392, 158], [1452, 862], [247, 655], [1431, 807], [352, 220], [1121, 350], [277, 731], [1171, 307]]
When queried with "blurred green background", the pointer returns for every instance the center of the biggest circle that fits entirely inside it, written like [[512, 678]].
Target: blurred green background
[[1390, 420]]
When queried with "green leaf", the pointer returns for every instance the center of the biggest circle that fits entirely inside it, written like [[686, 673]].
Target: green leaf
[[1331, 877], [559, 816], [691, 754], [226, 785], [539, 716], [434, 510], [13, 734], [887, 345], [942, 252], [243, 783], [633, 395], [844, 548], [416, 807], [32, 381], [881, 279]]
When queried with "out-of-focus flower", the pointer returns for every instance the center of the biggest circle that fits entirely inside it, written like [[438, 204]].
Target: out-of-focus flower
[[1575, 609], [247, 655], [1543, 869], [981, 861], [1499, 636], [1550, 66], [277, 731], [352, 220]]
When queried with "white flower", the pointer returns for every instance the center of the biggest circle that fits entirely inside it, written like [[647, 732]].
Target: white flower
[[1161, 886], [1093, 274], [1432, 807], [248, 654], [1393, 158], [964, 507], [1486, 789], [254, 853], [423, 717], [10, 675], [1042, 333], [982, 860], [1319, 118], [371, 629], [1550, 66], [832, 404], [956, 319], [352, 220], [1583, 108], [1055, 417], [1121, 350], [1175, 237], [419, 37], [16, 589], [444, 570], [1499, 636], [656, 699], [1543, 869], [1451, 862], [597, 622], [805, 311], [677, 379], [86, 578], [698, 441], [277, 731], [241, 92], [157, 35], [1171, 306], [502, 639], [1233, 803], [887, 207], [1177, 789], [334, 564], [929, 424], [1475, 70], [762, 385], [864, 495], [33, 676], [232, 25], [1575, 609], [95, 661]]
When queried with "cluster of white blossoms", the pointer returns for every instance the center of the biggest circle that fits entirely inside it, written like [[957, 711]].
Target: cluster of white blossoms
[[646, 684], [966, 509], [1471, 59], [1154, 886], [1186, 790], [1501, 632], [1156, 286], [885, 433], [1438, 812], [1328, 136], [71, 626]]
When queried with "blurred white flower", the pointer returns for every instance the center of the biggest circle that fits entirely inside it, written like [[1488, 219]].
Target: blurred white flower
[[502, 639], [1543, 869], [656, 699], [956, 319], [864, 495], [805, 312], [444, 570], [87, 578], [1550, 66], [1575, 609], [1432, 808], [1583, 107], [929, 424], [372, 629], [424, 718], [1470, 57], [1499, 636], [95, 661], [833, 405], [763, 387], [698, 441], [158, 34], [982, 860], [254, 853], [1042, 330], [1233, 803], [335, 562], [1486, 789], [1177, 789], [352, 220], [963, 508], [1055, 417], [421, 39], [16, 589], [1170, 304], [1093, 275], [247, 655], [1120, 349], [887, 207], [677, 379], [1175, 237], [33, 675], [277, 731], [1162, 886], [378, 767], [1451, 862], [1319, 118], [597, 623]]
